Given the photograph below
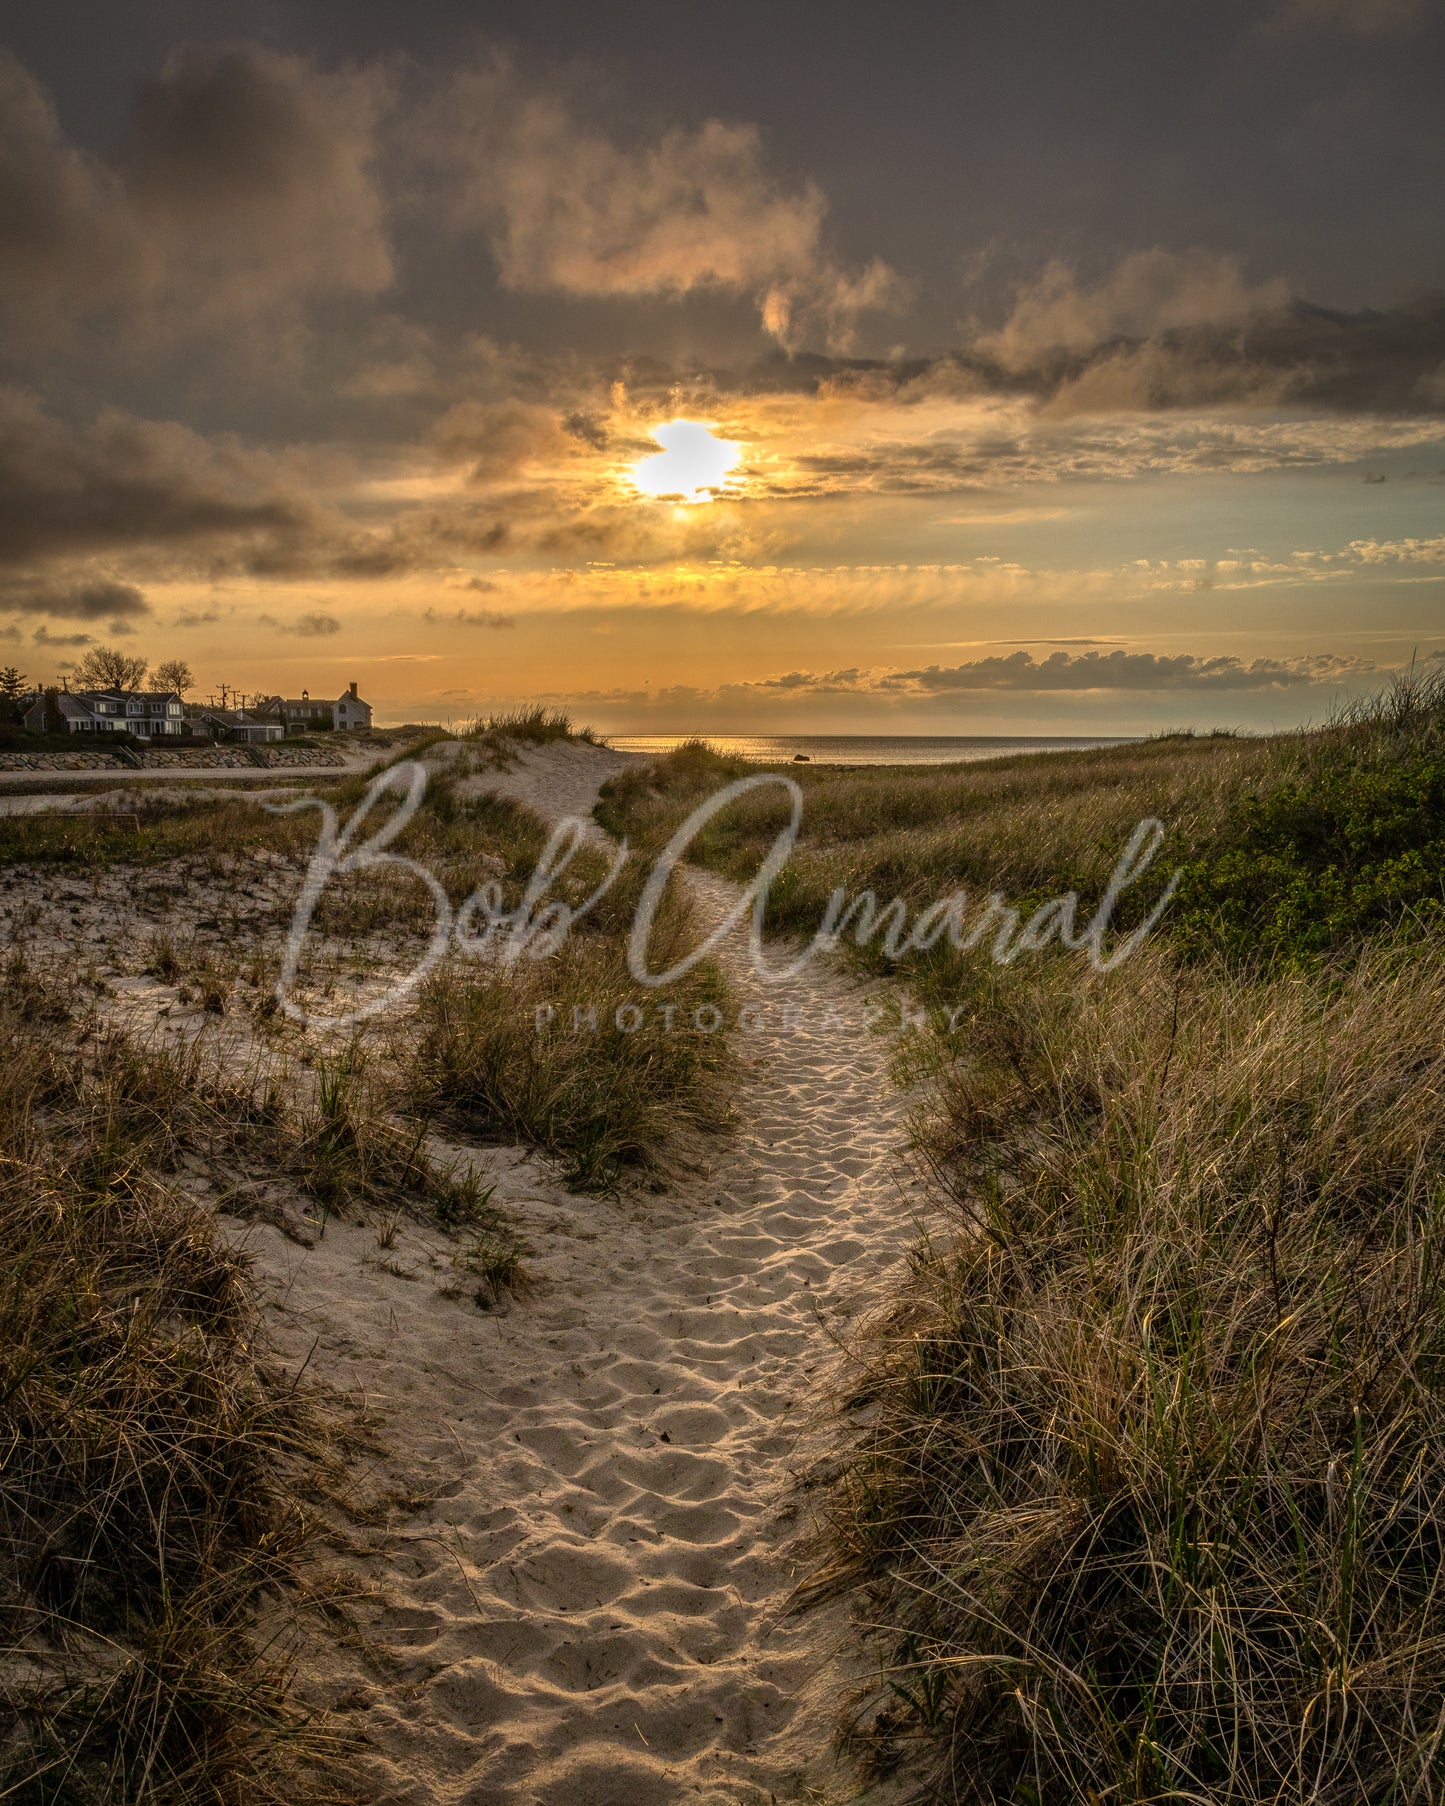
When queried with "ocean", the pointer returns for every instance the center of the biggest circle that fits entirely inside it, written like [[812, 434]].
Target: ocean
[[866, 749]]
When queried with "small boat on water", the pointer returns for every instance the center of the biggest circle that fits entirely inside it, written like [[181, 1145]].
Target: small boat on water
[[802, 758]]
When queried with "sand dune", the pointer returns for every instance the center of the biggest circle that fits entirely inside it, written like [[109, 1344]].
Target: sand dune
[[585, 1571]]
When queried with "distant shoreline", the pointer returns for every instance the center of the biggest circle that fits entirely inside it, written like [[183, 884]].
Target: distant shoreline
[[870, 749]]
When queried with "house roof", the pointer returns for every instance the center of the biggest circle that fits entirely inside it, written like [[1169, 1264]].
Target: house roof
[[316, 702], [94, 696]]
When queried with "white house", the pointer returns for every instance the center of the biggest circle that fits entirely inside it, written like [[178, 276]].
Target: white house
[[144, 713], [351, 711]]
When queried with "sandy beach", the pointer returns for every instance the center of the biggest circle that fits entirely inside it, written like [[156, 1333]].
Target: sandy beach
[[591, 1607]]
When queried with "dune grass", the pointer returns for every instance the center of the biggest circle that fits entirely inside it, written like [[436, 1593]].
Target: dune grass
[[1030, 826], [604, 1103], [149, 1485], [1292, 848], [535, 726], [1348, 843], [156, 1482], [1151, 1501], [566, 1052], [1154, 1503]]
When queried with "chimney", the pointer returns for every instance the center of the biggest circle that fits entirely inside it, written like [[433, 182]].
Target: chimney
[[352, 688]]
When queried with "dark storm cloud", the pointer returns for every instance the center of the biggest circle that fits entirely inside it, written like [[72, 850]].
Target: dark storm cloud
[[246, 181], [72, 597], [1371, 361], [120, 483], [181, 504], [42, 637], [59, 232], [251, 185]]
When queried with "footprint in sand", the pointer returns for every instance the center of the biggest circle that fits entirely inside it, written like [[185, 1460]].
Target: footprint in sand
[[604, 1621]]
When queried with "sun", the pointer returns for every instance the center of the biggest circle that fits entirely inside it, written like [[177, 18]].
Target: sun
[[692, 463]]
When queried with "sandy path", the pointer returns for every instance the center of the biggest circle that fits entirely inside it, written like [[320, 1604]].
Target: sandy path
[[589, 1611]]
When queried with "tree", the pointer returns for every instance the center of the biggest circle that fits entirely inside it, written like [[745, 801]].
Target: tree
[[107, 668], [12, 689], [173, 674]]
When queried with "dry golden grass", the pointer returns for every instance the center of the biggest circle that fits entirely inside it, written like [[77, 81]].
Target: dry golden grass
[[1154, 1503], [156, 1463], [152, 1459], [1026, 824], [533, 1051]]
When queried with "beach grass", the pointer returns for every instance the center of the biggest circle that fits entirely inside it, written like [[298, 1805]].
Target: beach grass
[[152, 1489], [1153, 1503], [567, 1052], [536, 726], [1150, 1504]]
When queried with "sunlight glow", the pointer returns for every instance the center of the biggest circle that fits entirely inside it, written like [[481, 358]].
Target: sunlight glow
[[692, 463]]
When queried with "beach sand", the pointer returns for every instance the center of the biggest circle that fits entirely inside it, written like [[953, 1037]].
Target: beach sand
[[580, 1595]]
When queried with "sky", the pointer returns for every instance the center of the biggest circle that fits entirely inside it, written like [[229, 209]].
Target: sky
[[1041, 367]]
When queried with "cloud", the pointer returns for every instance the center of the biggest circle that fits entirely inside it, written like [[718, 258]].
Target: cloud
[[74, 598], [246, 182], [1294, 355], [499, 439], [314, 625], [1148, 293], [41, 637], [571, 210], [1374, 360], [123, 482], [1399, 551], [62, 227], [467, 617], [1171, 331], [172, 500], [1117, 670]]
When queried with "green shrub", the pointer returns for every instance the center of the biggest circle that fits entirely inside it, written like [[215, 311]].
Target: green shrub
[[1322, 862]]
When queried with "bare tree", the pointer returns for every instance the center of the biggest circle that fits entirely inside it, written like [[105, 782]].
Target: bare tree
[[173, 674], [107, 668]]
